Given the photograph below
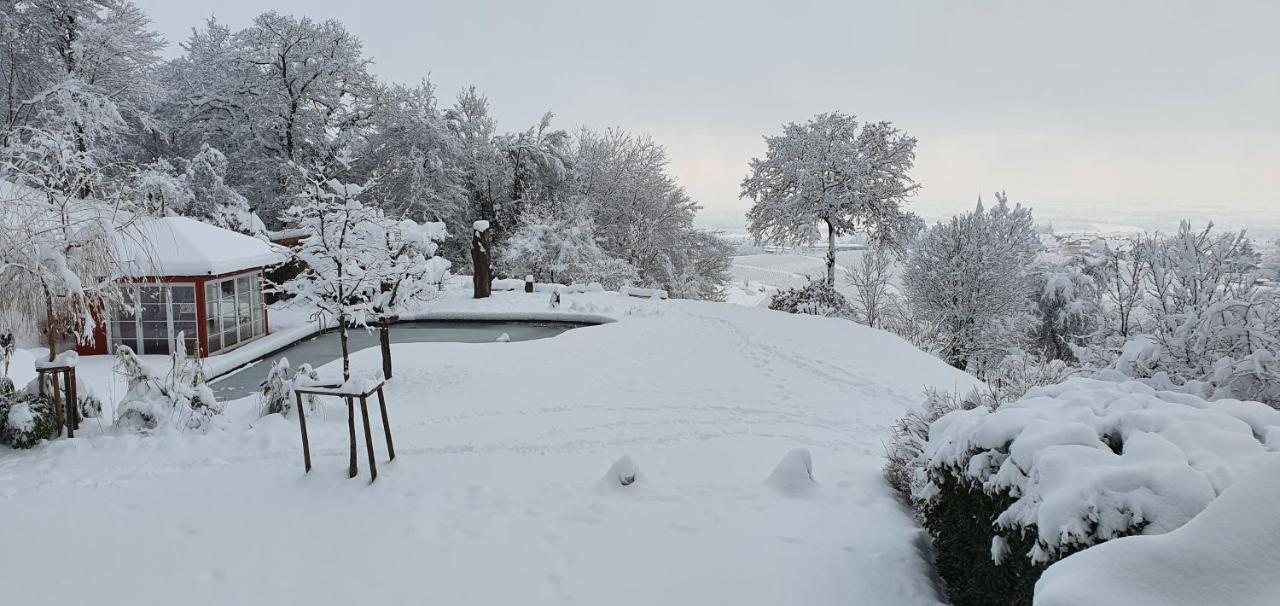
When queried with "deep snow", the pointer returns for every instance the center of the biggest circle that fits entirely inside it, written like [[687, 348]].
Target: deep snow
[[496, 495]]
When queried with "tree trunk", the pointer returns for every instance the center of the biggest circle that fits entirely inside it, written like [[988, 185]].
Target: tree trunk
[[384, 338], [831, 253], [50, 333], [346, 348], [482, 280]]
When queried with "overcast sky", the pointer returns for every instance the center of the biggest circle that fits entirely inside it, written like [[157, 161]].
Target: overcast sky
[[1083, 107]]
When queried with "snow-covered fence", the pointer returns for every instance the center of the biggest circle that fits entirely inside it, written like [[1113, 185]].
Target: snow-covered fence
[[1072, 465]]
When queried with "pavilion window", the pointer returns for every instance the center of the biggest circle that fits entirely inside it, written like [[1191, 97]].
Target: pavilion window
[[233, 307], [152, 317]]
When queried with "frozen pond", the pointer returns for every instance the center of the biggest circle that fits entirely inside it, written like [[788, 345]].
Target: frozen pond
[[324, 348]]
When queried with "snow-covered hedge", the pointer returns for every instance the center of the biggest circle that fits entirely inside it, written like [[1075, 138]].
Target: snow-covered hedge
[[1071, 465], [1231, 549]]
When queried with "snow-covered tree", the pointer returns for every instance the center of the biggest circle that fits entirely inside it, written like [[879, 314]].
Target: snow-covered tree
[[644, 217], [410, 273], [282, 93], [76, 87], [1068, 312], [161, 190], [343, 256], [419, 162], [58, 261], [968, 277], [835, 174], [872, 293], [212, 200], [563, 247]]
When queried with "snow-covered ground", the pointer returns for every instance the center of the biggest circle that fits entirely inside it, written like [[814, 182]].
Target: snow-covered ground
[[496, 495], [790, 269]]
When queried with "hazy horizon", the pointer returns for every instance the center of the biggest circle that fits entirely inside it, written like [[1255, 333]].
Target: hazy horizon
[[1132, 111]]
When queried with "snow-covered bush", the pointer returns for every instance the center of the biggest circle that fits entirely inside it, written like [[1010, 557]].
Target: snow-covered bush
[[1203, 323], [1011, 490], [179, 398], [26, 418], [817, 298], [1011, 380], [277, 393]]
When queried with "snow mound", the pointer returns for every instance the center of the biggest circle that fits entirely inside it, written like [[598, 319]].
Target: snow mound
[[1226, 556], [480, 226], [1089, 460], [793, 475], [621, 474], [503, 338]]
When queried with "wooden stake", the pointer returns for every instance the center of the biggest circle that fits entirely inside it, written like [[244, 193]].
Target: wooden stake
[[386, 425], [368, 438], [302, 425], [351, 427], [71, 402]]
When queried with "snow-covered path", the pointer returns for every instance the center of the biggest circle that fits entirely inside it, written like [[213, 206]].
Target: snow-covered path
[[495, 496]]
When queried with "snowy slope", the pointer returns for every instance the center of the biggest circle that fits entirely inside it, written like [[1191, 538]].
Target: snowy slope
[[1227, 556], [496, 495]]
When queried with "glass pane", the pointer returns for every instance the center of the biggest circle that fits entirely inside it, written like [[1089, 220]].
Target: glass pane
[[153, 295], [153, 312], [184, 311], [124, 330], [228, 288], [229, 338], [215, 342], [183, 294], [155, 346], [155, 330], [191, 346]]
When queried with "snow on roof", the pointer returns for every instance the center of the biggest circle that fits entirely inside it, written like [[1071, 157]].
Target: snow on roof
[[182, 246]]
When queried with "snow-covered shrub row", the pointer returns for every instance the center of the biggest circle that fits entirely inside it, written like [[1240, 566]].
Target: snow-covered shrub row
[[817, 297], [904, 469], [1071, 465]]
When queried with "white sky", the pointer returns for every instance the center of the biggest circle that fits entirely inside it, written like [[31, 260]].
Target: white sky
[[1085, 108]]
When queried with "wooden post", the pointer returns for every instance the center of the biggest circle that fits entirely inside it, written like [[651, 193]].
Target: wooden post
[[71, 402], [75, 398], [482, 279], [386, 425], [58, 417], [368, 438], [351, 427], [384, 340], [302, 425]]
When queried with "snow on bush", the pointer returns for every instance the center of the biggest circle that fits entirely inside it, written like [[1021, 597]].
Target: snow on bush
[[277, 394], [1071, 465], [1225, 556], [26, 418], [179, 398], [817, 298]]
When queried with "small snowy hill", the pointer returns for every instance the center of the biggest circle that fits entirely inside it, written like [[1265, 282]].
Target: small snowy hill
[[497, 496]]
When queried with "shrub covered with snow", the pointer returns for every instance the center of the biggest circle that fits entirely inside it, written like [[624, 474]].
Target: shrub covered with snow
[[25, 419], [1071, 465], [277, 394], [179, 398], [817, 298]]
